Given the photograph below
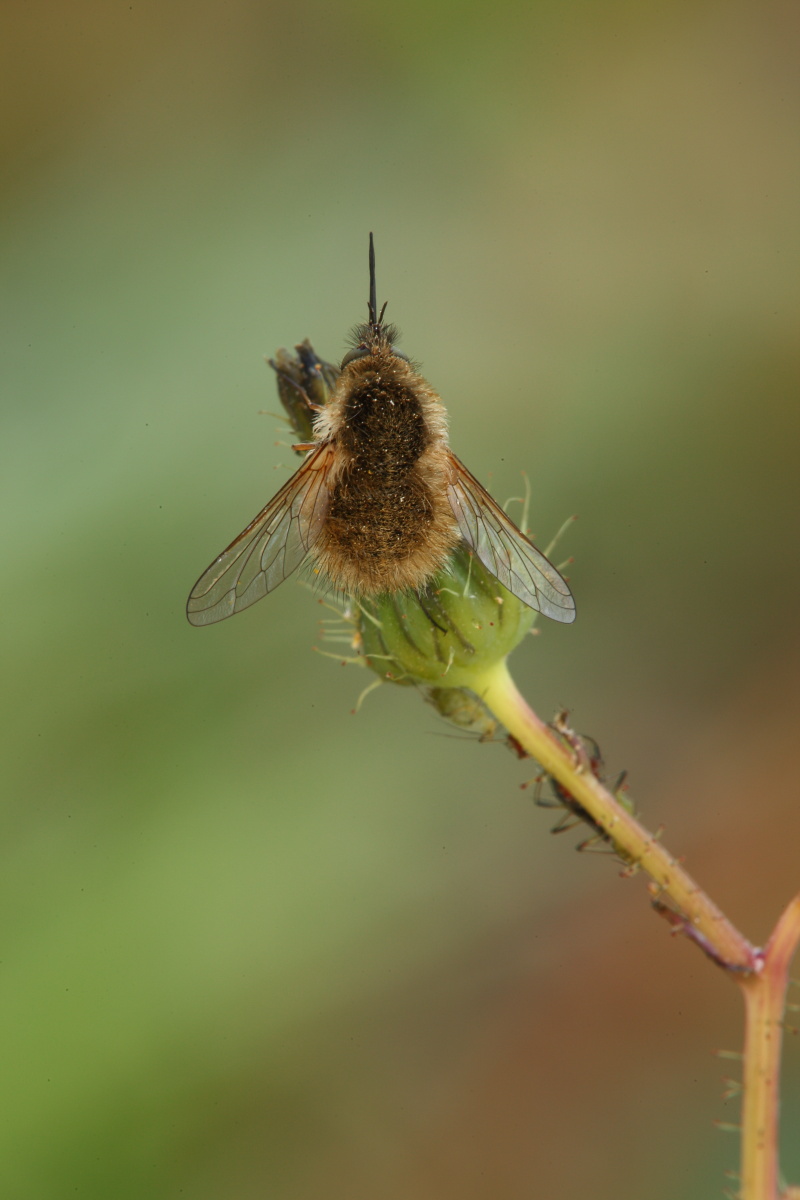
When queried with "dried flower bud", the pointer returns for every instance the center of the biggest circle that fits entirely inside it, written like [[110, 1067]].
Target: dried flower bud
[[305, 383]]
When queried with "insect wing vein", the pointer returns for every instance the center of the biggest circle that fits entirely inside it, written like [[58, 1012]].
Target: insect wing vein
[[269, 549], [504, 550]]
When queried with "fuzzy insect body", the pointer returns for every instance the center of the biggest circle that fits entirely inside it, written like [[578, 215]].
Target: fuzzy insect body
[[379, 502], [389, 525]]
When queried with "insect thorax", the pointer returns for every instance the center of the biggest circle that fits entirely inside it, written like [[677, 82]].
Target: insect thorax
[[384, 424]]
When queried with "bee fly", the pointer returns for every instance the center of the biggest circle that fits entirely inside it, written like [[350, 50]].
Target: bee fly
[[379, 501]]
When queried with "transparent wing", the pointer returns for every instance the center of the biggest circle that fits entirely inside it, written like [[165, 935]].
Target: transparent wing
[[504, 550], [273, 545]]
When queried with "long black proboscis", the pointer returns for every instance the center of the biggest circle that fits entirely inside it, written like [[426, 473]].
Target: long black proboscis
[[373, 289]]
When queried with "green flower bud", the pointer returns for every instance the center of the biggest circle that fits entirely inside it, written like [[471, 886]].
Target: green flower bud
[[450, 635]]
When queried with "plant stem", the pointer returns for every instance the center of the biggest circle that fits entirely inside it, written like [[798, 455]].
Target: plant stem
[[762, 974], [712, 928], [765, 1001]]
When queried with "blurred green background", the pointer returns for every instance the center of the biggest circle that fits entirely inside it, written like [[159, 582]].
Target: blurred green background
[[256, 946]]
